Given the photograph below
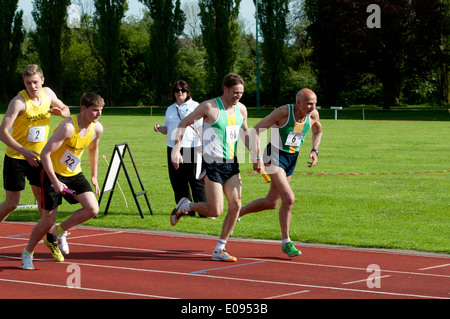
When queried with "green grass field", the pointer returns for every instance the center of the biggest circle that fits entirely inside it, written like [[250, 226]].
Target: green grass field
[[401, 211]]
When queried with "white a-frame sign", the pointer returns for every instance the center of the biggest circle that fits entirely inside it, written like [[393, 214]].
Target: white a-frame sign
[[113, 172]]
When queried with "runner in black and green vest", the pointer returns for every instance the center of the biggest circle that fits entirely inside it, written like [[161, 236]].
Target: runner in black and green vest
[[289, 125]]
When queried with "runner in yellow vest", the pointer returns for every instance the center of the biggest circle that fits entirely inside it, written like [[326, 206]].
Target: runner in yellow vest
[[224, 120], [61, 159], [24, 130], [289, 125]]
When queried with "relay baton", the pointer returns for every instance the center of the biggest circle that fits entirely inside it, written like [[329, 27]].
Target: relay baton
[[266, 176], [69, 191]]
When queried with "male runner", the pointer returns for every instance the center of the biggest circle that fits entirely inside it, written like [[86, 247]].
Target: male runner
[[224, 120], [28, 118], [289, 125], [61, 158]]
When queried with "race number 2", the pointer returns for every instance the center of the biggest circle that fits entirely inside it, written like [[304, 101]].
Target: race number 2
[[36, 134]]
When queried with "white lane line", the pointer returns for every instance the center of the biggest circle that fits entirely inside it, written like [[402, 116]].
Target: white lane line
[[175, 273], [291, 294], [250, 280], [356, 281], [85, 289], [434, 267], [261, 259]]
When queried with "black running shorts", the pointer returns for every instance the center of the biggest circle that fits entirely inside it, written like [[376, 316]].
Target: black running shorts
[[220, 172], [284, 160], [51, 199], [16, 170]]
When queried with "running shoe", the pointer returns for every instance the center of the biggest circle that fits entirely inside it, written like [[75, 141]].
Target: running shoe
[[56, 253], [178, 212], [27, 260], [223, 256], [62, 240], [290, 250]]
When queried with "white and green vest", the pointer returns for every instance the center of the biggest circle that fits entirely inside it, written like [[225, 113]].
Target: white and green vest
[[220, 138]]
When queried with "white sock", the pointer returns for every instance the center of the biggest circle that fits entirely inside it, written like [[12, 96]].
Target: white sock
[[220, 245], [285, 241], [186, 206]]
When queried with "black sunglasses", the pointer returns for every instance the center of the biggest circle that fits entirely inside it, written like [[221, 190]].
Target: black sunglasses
[[177, 90]]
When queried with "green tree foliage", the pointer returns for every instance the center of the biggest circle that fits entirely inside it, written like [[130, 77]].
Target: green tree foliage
[[220, 32], [134, 52], [50, 18], [428, 58], [444, 70], [81, 63], [405, 46], [328, 48], [272, 15], [191, 66], [108, 16], [11, 37], [167, 26]]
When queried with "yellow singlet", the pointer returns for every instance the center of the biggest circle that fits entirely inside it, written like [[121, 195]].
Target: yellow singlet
[[66, 160], [31, 128]]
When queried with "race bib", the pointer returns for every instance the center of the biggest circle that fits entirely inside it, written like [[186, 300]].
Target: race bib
[[70, 160], [232, 133], [294, 139], [36, 134]]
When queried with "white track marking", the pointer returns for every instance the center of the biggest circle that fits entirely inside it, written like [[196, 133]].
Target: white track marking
[[85, 289], [356, 281], [434, 267], [291, 294], [230, 278], [175, 273], [261, 259]]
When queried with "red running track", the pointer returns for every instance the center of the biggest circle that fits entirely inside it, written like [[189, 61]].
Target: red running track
[[109, 264]]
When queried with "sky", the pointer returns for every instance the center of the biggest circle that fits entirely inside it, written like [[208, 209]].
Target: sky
[[247, 10]]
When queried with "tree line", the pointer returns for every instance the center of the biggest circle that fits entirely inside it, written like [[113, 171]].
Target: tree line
[[325, 45]]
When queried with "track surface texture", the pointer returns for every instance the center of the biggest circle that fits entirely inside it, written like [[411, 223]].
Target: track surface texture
[[121, 264]]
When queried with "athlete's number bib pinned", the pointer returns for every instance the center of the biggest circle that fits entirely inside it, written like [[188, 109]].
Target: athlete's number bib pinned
[[70, 160], [232, 133], [36, 134], [294, 138]]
